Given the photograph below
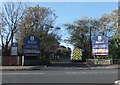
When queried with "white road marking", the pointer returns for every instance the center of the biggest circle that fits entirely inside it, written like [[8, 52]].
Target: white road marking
[[84, 72], [89, 72], [71, 72], [22, 73], [66, 73]]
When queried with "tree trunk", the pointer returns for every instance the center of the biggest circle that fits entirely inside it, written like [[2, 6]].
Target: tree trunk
[[5, 50]]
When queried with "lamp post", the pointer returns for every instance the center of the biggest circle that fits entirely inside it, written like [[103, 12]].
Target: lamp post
[[0, 54], [90, 36]]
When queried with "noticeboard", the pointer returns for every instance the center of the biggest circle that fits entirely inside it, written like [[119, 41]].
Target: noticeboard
[[31, 46], [100, 45], [14, 49]]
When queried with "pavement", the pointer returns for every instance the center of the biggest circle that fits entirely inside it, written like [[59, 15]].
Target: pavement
[[58, 67], [12, 68]]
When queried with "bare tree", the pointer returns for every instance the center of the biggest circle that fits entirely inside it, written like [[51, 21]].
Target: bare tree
[[12, 14]]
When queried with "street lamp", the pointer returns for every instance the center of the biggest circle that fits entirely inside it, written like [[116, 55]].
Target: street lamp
[[0, 54], [90, 36]]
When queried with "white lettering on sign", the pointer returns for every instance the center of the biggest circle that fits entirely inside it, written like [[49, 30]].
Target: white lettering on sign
[[32, 42], [32, 38], [99, 40], [100, 46], [32, 51]]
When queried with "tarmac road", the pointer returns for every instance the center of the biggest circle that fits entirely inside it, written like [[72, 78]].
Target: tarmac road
[[61, 76]]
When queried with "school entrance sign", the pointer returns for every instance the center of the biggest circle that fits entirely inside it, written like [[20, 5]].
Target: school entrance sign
[[99, 45], [31, 46]]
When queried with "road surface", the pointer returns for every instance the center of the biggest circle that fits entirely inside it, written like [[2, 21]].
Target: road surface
[[61, 76]]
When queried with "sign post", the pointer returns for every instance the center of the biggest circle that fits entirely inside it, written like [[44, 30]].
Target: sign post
[[0, 63], [31, 50], [0, 55]]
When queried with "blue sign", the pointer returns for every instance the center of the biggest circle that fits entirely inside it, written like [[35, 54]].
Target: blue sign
[[14, 44], [31, 46], [99, 40], [100, 45]]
